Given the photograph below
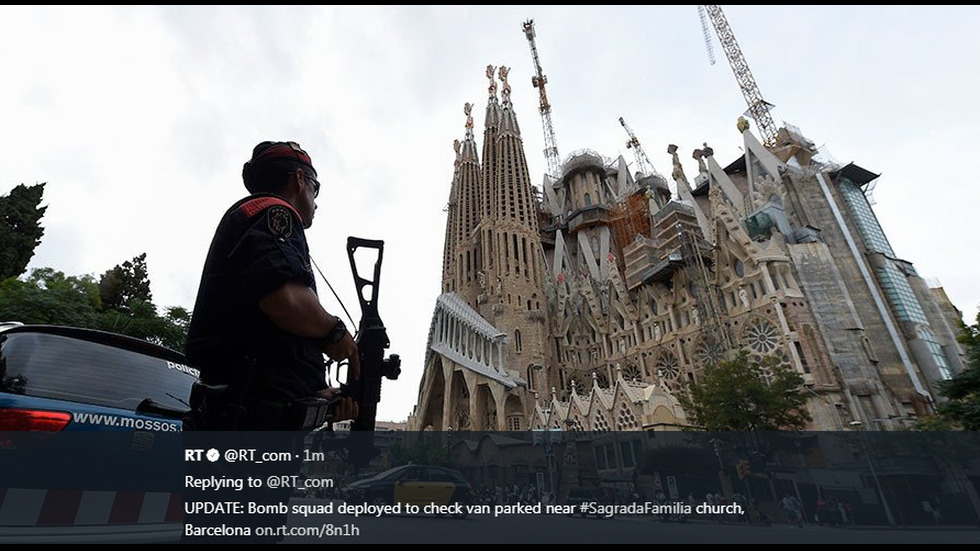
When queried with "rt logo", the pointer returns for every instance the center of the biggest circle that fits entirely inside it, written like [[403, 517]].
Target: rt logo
[[195, 455]]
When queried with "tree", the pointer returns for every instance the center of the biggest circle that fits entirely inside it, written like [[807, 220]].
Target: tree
[[742, 395], [20, 228], [50, 297], [427, 450], [125, 284], [962, 408]]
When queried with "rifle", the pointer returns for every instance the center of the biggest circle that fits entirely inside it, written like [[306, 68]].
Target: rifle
[[372, 340]]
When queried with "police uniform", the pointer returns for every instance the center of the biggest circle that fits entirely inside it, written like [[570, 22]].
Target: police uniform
[[259, 369]]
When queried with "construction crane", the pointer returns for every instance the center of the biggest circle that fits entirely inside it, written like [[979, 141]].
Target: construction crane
[[707, 34], [758, 107], [643, 163], [539, 80]]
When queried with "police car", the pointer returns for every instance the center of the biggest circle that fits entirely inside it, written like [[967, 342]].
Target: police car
[[89, 426], [55, 378]]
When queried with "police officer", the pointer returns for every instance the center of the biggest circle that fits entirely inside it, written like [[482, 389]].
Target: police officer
[[258, 332]]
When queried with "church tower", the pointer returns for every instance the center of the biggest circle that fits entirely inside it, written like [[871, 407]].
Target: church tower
[[486, 354], [513, 263], [461, 260]]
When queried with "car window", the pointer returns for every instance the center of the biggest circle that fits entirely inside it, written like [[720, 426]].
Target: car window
[[410, 475], [457, 476], [64, 368], [438, 475]]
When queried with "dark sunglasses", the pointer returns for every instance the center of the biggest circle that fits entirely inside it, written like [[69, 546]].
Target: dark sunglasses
[[316, 184]]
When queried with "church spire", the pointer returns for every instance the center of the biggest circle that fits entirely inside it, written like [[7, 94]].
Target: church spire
[[513, 192], [464, 213], [491, 125]]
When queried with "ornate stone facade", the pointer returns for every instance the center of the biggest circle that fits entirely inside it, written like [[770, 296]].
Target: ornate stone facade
[[589, 305]]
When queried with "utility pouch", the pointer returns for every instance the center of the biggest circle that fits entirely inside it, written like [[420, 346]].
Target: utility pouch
[[213, 409]]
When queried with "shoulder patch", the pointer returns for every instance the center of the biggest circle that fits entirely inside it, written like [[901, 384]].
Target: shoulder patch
[[254, 206], [280, 221]]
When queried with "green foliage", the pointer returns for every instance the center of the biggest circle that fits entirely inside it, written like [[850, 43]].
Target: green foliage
[[126, 286], [50, 297], [20, 228], [738, 395], [934, 423], [962, 410], [427, 450]]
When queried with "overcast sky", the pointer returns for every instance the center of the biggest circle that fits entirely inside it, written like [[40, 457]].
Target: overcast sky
[[139, 120]]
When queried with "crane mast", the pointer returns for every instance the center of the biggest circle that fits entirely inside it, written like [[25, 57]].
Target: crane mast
[[642, 161], [707, 34], [758, 108], [539, 80]]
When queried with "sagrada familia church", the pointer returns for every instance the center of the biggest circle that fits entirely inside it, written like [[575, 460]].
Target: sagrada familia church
[[590, 304]]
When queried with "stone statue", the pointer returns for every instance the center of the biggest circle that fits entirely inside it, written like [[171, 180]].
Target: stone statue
[[742, 124], [493, 83], [678, 172], [502, 73], [743, 295], [468, 109], [657, 332], [699, 155]]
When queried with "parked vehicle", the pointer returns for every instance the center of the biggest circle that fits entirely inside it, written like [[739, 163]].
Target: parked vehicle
[[89, 425]]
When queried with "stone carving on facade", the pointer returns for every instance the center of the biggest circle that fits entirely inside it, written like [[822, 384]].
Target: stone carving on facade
[[742, 124], [766, 190], [743, 296], [491, 420], [468, 109], [493, 83], [678, 172], [699, 156], [462, 418], [505, 91]]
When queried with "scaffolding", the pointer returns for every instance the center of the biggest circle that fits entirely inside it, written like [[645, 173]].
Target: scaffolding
[[704, 290]]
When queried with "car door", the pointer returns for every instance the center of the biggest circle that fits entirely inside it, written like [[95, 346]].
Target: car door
[[410, 486], [440, 486]]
